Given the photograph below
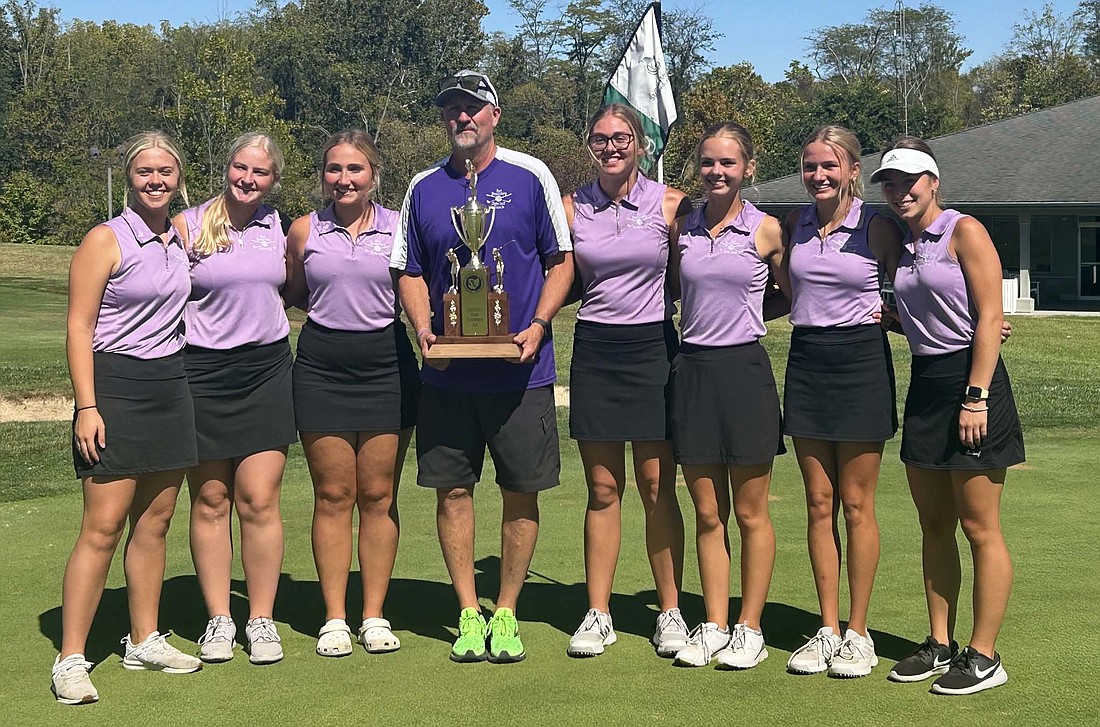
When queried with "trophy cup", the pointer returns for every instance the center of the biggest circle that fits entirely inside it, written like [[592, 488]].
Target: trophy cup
[[475, 317]]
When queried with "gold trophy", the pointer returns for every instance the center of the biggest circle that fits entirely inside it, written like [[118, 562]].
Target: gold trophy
[[475, 317]]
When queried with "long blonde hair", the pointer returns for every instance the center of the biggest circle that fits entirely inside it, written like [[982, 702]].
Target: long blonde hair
[[845, 145], [144, 141], [214, 232]]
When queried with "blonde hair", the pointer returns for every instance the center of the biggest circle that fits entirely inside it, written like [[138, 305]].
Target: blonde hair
[[846, 146], [364, 144], [144, 141], [214, 232], [628, 116], [734, 132]]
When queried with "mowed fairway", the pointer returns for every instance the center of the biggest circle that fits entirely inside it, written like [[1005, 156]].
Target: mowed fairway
[[1051, 520]]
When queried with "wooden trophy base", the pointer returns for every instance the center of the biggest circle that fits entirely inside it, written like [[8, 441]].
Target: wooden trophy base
[[499, 347]]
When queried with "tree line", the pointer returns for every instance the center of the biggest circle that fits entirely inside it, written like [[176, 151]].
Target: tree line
[[304, 69]]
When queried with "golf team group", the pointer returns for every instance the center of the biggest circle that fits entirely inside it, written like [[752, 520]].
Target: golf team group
[[179, 356]]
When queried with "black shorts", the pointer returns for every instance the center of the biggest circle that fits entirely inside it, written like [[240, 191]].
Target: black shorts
[[148, 418], [618, 382], [243, 399], [355, 381], [520, 429], [840, 385], [930, 438], [725, 408]]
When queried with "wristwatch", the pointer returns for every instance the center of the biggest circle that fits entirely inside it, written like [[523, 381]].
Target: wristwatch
[[546, 328], [977, 393]]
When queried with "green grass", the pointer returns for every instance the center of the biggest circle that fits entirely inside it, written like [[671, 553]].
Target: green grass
[[1051, 520]]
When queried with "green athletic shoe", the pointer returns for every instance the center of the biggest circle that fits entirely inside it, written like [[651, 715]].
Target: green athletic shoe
[[470, 644], [504, 644]]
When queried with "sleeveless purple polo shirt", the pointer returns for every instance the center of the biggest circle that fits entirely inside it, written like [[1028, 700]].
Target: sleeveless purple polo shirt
[[235, 292], [722, 281], [621, 253], [933, 302], [835, 281], [350, 284], [141, 314]]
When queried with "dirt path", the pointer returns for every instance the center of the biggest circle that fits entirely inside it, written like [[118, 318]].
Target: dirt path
[[51, 408], [60, 408]]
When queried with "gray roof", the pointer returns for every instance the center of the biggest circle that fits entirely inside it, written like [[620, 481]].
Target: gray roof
[[1047, 157]]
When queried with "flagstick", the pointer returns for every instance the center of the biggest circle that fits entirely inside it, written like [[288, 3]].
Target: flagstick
[[661, 169]]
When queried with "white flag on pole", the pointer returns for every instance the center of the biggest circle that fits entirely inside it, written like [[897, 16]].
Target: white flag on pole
[[641, 82]]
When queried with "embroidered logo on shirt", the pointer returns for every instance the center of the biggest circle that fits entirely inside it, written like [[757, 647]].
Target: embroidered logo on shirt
[[498, 198], [263, 243], [637, 221], [380, 245]]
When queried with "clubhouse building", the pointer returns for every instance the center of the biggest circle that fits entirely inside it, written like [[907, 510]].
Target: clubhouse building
[[1031, 181]]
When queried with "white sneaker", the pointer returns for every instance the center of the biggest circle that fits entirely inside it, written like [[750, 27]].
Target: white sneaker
[[377, 637], [156, 654], [855, 657], [216, 644], [595, 632], [671, 634], [745, 650], [703, 644], [70, 682], [814, 656], [264, 644]]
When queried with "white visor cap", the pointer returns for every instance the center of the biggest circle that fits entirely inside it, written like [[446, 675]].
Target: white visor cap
[[909, 161]]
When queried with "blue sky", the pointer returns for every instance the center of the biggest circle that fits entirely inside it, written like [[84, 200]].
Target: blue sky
[[767, 34]]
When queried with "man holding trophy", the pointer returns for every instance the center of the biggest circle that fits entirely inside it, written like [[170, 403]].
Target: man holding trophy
[[488, 369]]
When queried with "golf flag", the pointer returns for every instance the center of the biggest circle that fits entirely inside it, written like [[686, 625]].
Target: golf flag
[[641, 82]]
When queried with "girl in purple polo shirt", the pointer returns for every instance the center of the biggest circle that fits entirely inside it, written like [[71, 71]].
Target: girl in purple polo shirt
[[838, 399], [238, 368], [356, 386], [961, 430], [725, 408], [622, 226], [133, 428]]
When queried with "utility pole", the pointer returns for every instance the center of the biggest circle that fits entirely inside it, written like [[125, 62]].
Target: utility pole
[[901, 63]]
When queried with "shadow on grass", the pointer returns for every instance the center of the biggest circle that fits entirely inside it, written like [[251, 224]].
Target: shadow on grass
[[430, 609]]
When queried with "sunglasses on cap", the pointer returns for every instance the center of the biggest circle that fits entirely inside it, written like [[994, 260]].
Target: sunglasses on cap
[[469, 82]]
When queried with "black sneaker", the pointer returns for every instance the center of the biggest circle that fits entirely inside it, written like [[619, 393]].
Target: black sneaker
[[970, 672], [930, 658]]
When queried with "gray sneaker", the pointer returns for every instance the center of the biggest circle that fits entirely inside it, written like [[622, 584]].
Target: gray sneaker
[[671, 634], [264, 644], [70, 682], [216, 645], [595, 632], [156, 654]]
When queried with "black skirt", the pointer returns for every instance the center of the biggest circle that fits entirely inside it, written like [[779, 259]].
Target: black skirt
[[149, 422], [725, 407], [618, 382], [355, 381], [244, 402], [930, 438], [840, 385]]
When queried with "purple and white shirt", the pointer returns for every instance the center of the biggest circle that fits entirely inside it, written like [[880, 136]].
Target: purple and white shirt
[[141, 313], [722, 280], [835, 281], [529, 228], [621, 253], [349, 280], [933, 301], [235, 292]]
